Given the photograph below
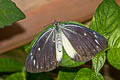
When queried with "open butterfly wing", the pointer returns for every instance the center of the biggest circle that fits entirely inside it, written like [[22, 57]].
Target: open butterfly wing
[[42, 57], [81, 43]]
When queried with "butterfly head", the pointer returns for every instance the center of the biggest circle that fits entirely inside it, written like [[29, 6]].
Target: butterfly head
[[57, 25]]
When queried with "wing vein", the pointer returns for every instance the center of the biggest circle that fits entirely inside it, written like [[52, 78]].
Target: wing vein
[[48, 38]]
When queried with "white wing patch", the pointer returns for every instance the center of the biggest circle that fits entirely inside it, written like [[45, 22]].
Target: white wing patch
[[85, 34], [38, 49], [34, 62], [97, 41], [67, 46]]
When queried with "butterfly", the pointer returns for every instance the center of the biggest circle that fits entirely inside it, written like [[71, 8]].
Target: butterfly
[[79, 42]]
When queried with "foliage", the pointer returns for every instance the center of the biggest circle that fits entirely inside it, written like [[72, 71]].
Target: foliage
[[82, 74], [10, 65], [98, 61], [106, 21], [9, 13], [16, 76]]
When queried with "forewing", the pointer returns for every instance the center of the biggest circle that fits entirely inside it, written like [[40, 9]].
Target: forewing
[[85, 43], [42, 57]]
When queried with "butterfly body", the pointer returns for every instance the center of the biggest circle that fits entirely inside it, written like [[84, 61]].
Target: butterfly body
[[80, 44], [58, 42]]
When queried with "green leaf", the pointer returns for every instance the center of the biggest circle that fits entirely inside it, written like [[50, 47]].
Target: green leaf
[[10, 65], [98, 61], [9, 13], [18, 54], [106, 18], [87, 74], [16, 76], [68, 62], [114, 39], [113, 57], [82, 74], [66, 75]]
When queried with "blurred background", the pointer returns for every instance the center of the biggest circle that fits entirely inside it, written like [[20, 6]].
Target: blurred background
[[38, 14]]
